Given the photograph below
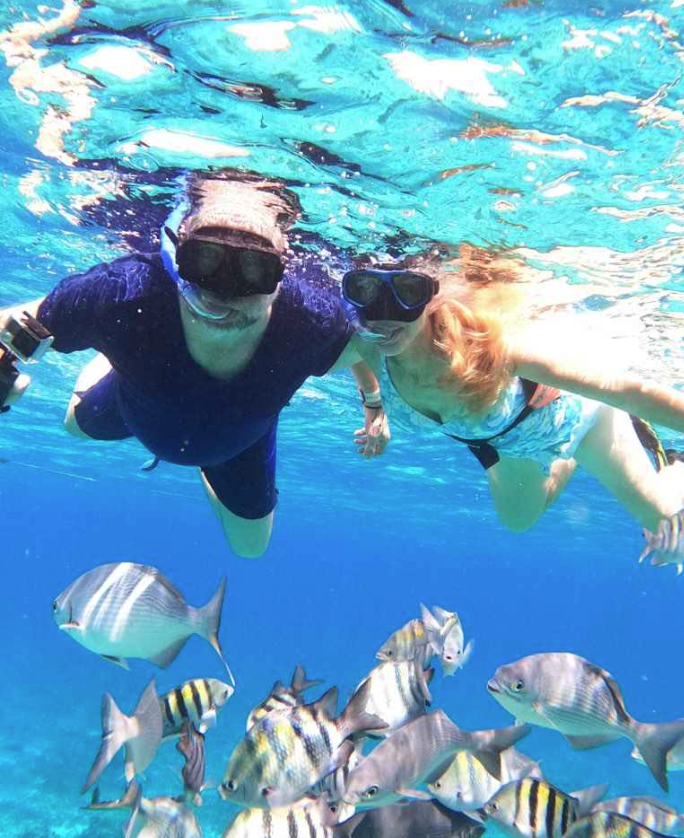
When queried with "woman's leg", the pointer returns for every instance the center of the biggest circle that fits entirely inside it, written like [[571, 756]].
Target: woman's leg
[[522, 492], [612, 453]]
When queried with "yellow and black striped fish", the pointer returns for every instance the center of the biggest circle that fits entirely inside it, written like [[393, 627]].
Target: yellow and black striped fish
[[282, 697], [196, 701], [648, 811], [286, 753], [304, 819], [406, 644], [610, 825], [534, 808]]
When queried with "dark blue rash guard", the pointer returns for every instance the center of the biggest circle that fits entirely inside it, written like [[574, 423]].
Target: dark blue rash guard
[[129, 311]]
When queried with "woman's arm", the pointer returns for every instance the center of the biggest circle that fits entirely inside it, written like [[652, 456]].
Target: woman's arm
[[592, 372]]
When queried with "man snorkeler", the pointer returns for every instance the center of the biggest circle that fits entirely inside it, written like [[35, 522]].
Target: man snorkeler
[[203, 344]]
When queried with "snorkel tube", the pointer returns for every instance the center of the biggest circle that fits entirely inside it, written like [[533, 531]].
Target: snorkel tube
[[358, 325], [201, 303]]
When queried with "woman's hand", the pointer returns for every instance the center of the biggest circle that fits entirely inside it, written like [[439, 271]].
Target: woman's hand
[[372, 439]]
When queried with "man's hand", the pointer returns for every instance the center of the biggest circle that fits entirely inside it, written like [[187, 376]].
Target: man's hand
[[372, 439]]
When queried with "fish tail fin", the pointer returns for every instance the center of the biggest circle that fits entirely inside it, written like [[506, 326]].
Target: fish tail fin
[[117, 729], [299, 683], [654, 742], [141, 750], [210, 617], [489, 750], [589, 797], [130, 800], [354, 718]]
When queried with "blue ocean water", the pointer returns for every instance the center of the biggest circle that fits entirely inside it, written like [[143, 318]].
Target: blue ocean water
[[549, 127]]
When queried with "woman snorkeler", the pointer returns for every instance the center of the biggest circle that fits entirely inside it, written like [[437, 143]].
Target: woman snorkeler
[[524, 400]]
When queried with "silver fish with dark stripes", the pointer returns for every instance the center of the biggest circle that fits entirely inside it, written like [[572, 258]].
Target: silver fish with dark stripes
[[191, 745], [419, 752], [282, 697], [569, 694], [140, 733], [648, 811], [408, 643], [335, 783], [398, 693], [417, 819], [466, 785], [610, 825], [531, 808], [155, 817], [281, 757], [127, 610], [305, 818], [197, 701]]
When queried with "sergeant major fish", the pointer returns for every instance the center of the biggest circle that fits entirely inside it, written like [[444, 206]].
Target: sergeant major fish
[[405, 644], [140, 733], [531, 808], [398, 693], [610, 825], [466, 785], [156, 817], [583, 702], [286, 753], [282, 697], [197, 701], [303, 819], [127, 610], [418, 753], [666, 544], [648, 811]]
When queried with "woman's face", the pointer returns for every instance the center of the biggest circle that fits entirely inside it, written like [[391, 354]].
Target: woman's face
[[397, 335]]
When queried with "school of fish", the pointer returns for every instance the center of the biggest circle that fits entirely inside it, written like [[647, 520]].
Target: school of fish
[[385, 765]]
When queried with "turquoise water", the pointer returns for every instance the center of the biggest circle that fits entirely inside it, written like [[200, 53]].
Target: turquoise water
[[553, 128]]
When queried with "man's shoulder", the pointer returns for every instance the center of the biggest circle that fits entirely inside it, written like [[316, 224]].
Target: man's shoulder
[[129, 277]]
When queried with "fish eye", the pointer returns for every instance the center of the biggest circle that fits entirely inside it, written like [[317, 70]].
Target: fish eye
[[54, 605], [231, 785], [333, 807], [518, 686], [438, 784], [493, 807], [389, 653], [372, 791]]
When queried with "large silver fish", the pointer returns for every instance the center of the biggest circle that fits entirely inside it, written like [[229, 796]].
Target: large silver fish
[[648, 811], [445, 633], [141, 733], [565, 692], [305, 818], [466, 785], [398, 692], [281, 757], [127, 610], [282, 697], [419, 752], [197, 701], [531, 808], [610, 825], [417, 819], [156, 817]]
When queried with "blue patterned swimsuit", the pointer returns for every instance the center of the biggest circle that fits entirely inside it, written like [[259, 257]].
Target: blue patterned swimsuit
[[546, 433]]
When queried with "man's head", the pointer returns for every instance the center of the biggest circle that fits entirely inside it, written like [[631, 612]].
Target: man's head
[[224, 245]]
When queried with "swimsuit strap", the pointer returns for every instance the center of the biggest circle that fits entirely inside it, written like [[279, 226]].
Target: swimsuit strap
[[536, 397]]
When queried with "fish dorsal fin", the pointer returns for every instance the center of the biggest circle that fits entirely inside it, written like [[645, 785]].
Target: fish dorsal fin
[[615, 691], [328, 702], [278, 688]]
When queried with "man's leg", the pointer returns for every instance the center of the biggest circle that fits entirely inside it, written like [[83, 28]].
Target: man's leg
[[243, 494]]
